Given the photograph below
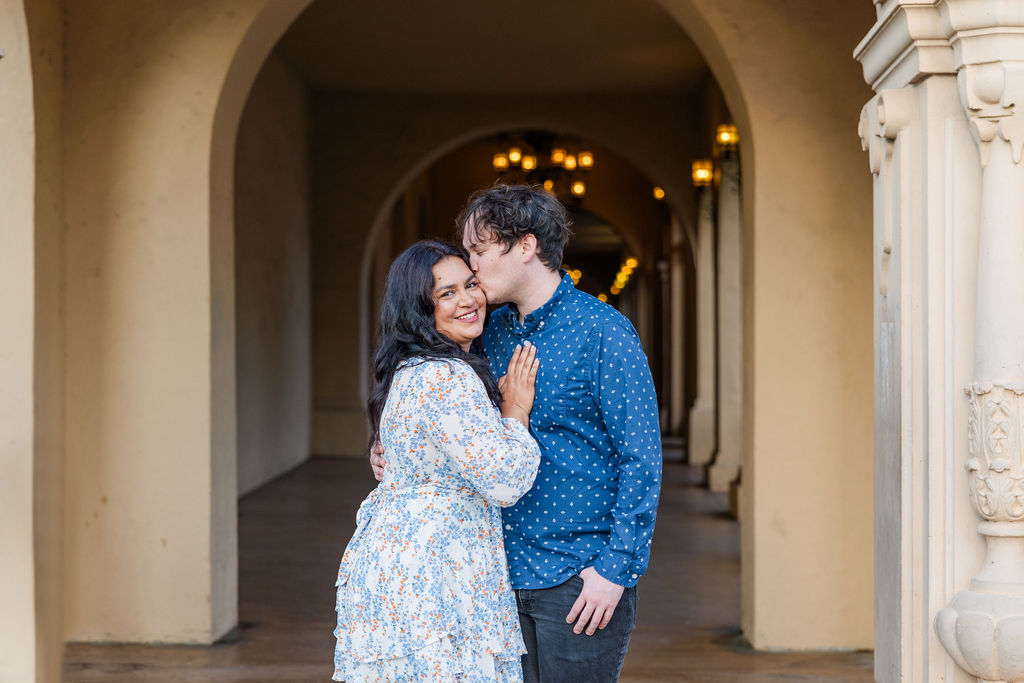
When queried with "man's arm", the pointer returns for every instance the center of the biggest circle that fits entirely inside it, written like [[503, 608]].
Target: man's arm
[[624, 391]]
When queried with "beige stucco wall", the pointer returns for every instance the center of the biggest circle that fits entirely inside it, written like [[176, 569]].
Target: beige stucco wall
[[272, 278], [153, 96], [807, 479], [369, 147]]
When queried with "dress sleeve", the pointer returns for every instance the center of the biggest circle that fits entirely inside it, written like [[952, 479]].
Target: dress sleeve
[[624, 391], [496, 455]]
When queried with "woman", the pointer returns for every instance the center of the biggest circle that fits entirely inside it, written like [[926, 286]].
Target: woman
[[423, 589]]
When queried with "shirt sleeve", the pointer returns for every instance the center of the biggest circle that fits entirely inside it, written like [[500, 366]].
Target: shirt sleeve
[[624, 392], [496, 455]]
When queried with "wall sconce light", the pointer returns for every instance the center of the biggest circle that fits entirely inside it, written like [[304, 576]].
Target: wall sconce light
[[703, 172], [659, 193], [727, 136]]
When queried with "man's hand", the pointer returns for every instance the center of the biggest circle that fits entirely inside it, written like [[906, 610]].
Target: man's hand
[[377, 460], [596, 604]]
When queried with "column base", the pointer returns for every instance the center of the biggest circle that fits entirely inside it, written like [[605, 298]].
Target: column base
[[721, 476], [984, 634]]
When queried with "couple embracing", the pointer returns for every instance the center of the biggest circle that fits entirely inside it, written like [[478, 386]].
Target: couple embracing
[[514, 515]]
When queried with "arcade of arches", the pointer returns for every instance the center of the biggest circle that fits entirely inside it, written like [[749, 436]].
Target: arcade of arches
[[201, 197]]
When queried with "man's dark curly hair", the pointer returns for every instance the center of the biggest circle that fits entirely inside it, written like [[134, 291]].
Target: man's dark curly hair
[[507, 213]]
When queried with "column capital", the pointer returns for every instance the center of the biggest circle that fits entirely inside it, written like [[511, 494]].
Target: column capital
[[881, 120], [908, 42], [990, 93]]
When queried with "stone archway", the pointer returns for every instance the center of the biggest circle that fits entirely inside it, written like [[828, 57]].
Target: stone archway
[[155, 93], [786, 72], [150, 368]]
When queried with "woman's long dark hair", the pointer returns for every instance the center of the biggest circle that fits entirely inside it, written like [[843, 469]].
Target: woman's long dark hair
[[407, 326]]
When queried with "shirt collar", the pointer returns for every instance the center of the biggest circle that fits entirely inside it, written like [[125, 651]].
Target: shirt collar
[[540, 316]]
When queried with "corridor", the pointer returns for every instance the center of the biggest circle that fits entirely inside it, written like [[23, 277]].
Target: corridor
[[291, 535]]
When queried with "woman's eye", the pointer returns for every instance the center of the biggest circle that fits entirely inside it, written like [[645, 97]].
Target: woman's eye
[[471, 285]]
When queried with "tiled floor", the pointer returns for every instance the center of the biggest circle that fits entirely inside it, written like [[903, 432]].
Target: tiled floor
[[292, 533]]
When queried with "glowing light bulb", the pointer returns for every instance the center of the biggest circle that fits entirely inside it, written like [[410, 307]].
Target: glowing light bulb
[[549, 185], [602, 297], [529, 162], [632, 262], [585, 159], [579, 188], [659, 193], [702, 172], [515, 155], [500, 161], [614, 290], [557, 155], [569, 163], [727, 136]]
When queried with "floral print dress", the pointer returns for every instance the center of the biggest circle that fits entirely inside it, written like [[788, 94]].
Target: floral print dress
[[423, 592]]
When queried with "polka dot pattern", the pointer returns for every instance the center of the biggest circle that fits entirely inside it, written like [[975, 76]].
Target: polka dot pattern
[[595, 418]]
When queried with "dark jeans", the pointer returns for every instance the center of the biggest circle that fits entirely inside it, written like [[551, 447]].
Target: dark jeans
[[557, 655]]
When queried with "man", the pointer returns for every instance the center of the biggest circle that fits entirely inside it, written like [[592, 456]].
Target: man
[[579, 540]]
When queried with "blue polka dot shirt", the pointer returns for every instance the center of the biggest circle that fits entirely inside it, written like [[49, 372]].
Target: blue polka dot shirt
[[595, 417]]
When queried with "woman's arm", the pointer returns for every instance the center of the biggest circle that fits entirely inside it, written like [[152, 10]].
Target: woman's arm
[[496, 456]]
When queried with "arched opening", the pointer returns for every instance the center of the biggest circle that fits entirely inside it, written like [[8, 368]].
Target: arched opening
[[364, 140], [617, 219]]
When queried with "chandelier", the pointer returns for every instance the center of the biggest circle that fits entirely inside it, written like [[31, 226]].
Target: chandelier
[[539, 158]]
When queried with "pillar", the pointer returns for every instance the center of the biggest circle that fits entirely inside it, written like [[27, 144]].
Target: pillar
[[677, 322], [703, 427], [726, 465], [17, 299], [948, 338], [982, 629], [154, 92]]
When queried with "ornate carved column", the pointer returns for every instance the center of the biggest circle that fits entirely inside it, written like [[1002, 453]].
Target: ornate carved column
[[983, 627], [702, 441], [927, 182]]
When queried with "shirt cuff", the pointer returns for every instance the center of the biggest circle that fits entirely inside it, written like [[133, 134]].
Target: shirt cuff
[[618, 568]]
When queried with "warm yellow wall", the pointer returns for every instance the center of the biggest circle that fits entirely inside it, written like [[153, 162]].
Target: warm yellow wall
[[154, 91], [367, 148], [786, 71], [272, 278]]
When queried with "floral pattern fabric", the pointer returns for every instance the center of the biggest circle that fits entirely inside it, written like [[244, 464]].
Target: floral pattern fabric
[[423, 592]]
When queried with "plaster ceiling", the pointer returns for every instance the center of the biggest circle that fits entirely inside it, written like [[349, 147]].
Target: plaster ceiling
[[486, 46]]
